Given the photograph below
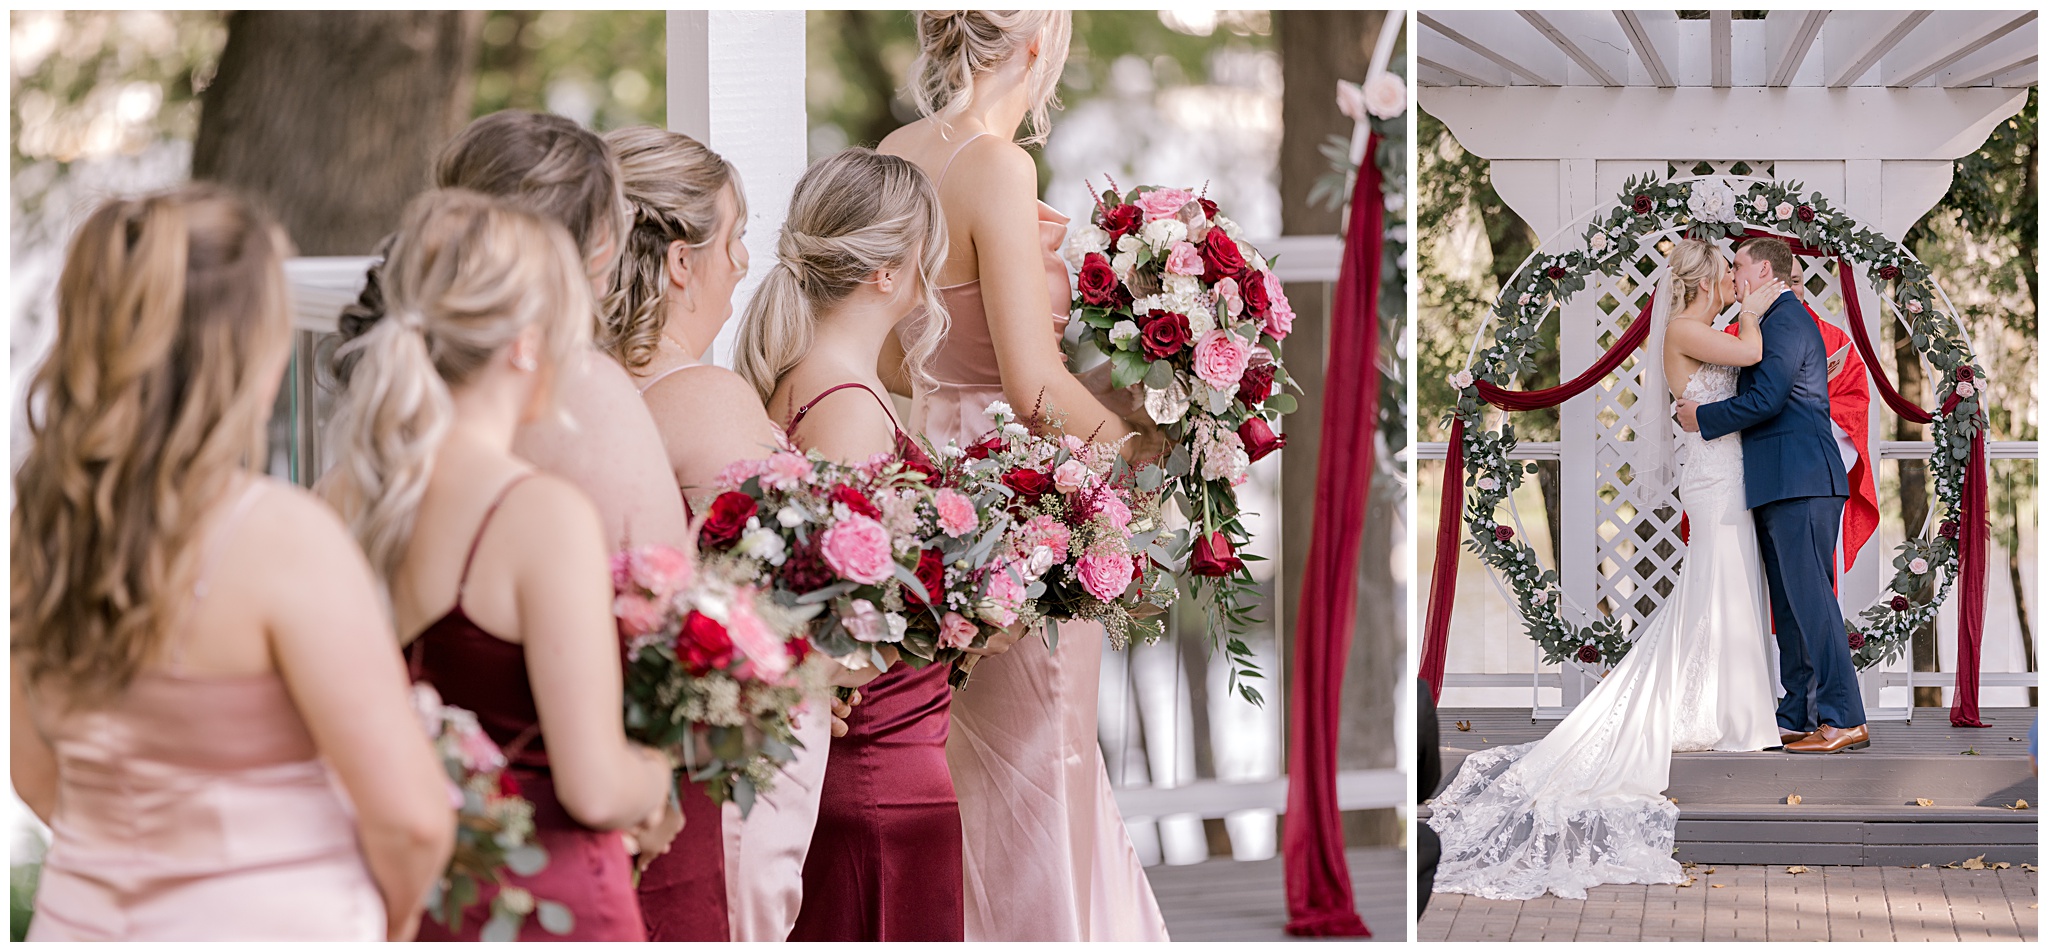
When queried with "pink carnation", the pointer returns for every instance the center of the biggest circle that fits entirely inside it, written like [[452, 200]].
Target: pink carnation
[[1182, 258], [755, 640], [638, 615], [786, 471], [1280, 315], [956, 513], [1221, 358], [1071, 475], [1074, 444], [858, 549], [1105, 573], [1046, 532], [660, 569], [955, 631], [1163, 202], [738, 472], [1112, 505], [1005, 595]]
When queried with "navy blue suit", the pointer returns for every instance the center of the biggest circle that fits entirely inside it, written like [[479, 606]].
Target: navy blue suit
[[1796, 487]]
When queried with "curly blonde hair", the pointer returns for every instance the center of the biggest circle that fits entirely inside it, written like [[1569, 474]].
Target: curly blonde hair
[[672, 183], [173, 322], [955, 46], [1693, 261]]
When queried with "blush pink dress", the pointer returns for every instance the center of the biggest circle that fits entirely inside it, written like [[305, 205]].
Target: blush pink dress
[[1047, 856], [198, 809]]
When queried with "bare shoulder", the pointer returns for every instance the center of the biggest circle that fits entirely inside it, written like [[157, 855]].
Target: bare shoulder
[[997, 165], [599, 384], [705, 386], [549, 506], [289, 519]]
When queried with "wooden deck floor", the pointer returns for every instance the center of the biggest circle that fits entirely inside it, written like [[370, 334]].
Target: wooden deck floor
[[1224, 900]]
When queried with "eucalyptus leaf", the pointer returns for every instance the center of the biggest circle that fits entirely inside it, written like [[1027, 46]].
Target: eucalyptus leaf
[[555, 917], [1052, 634], [503, 926], [743, 794], [526, 860], [1160, 375], [828, 593]]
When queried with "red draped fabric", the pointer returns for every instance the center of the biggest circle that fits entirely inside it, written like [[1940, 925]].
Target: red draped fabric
[[1319, 898], [1443, 581]]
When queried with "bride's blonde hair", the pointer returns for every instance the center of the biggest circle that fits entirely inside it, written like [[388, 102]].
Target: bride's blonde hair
[[955, 46], [853, 214], [1693, 261]]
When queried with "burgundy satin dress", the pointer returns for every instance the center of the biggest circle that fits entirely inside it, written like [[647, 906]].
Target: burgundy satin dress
[[588, 870], [885, 862]]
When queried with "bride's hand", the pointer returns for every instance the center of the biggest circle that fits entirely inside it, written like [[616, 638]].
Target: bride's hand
[[1761, 296]]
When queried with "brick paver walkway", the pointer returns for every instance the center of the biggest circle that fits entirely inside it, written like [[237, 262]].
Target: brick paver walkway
[[1832, 903]]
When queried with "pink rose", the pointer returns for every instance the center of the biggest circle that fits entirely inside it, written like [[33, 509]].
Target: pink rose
[[1104, 573], [476, 749], [1163, 202], [1221, 358], [736, 474], [1227, 293], [1074, 444], [858, 549], [660, 569], [955, 631], [1182, 258], [956, 513], [764, 650], [1070, 476], [638, 615], [1111, 505], [865, 622], [786, 471], [1280, 315], [1005, 595], [1047, 532]]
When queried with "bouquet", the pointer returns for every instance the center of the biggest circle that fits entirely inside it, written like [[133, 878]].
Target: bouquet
[[494, 827], [1168, 289], [1085, 536], [898, 554], [714, 671]]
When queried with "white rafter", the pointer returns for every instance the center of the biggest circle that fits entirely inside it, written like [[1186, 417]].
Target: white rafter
[[1722, 29], [1966, 46], [1876, 45], [1482, 49], [1557, 36], [1456, 73], [1646, 50], [1799, 37], [1988, 76]]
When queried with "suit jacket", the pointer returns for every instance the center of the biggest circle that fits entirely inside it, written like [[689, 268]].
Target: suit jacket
[[1781, 409]]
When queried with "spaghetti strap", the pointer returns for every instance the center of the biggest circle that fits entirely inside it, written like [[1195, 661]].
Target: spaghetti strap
[[664, 375], [462, 584], [209, 556], [790, 430], [948, 167]]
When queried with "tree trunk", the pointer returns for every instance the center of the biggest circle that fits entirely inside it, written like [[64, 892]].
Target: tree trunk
[[332, 119], [1317, 48]]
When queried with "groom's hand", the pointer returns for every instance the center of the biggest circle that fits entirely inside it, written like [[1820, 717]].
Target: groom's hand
[[1688, 416]]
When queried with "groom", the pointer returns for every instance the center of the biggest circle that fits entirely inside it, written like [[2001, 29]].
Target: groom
[[1796, 488]]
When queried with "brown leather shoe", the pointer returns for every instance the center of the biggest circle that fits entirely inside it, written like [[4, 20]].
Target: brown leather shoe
[[1830, 739], [1790, 737]]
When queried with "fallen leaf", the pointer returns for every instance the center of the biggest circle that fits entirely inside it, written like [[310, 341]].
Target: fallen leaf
[[2017, 806], [2001, 865], [1711, 872], [1796, 870], [1482, 740], [1926, 866], [2029, 867], [1971, 751], [1923, 801], [1795, 800], [1974, 862], [2014, 739], [1464, 725], [1716, 885], [1688, 881]]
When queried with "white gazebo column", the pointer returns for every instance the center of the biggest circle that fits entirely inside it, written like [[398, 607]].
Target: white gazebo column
[[736, 84]]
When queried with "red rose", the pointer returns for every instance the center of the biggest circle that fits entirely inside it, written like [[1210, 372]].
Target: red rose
[[1259, 439], [1900, 603], [1555, 273], [1589, 654], [508, 786], [1122, 220], [728, 518], [1805, 212], [1258, 301], [1951, 529], [1889, 272], [1502, 533], [1966, 372], [855, 500], [1208, 208], [1220, 258], [1213, 557], [1855, 640], [985, 448], [1256, 385], [703, 645], [931, 571], [1029, 483], [1099, 284], [1643, 205], [1165, 334]]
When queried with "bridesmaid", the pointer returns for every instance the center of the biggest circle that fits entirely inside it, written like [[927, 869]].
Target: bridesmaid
[[1047, 855], [561, 171], [674, 291], [198, 651], [498, 575], [854, 259]]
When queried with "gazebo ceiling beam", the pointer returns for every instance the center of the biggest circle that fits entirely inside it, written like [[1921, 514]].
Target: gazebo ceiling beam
[[1989, 76], [1454, 74], [1473, 34], [1553, 26], [1722, 30], [1857, 41], [1951, 37], [1788, 36], [1643, 28]]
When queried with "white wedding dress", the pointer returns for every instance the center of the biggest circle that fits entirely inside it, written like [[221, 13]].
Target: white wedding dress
[[1585, 805]]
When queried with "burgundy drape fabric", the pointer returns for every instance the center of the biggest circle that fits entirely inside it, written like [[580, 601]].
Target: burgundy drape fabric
[[1443, 580], [1319, 898]]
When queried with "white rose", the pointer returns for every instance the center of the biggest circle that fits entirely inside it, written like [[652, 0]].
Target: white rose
[[1085, 241], [764, 545], [1201, 320], [1784, 211], [1124, 263], [1487, 483], [1526, 298], [790, 517], [1161, 234], [1711, 200], [1229, 227], [1129, 244], [1917, 566], [1462, 379], [1598, 242], [1540, 598], [1759, 203], [1966, 390], [1386, 96], [1913, 306], [1123, 333], [1351, 100], [1182, 285]]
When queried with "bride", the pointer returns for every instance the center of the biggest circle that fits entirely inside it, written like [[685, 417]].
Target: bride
[[1585, 805]]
